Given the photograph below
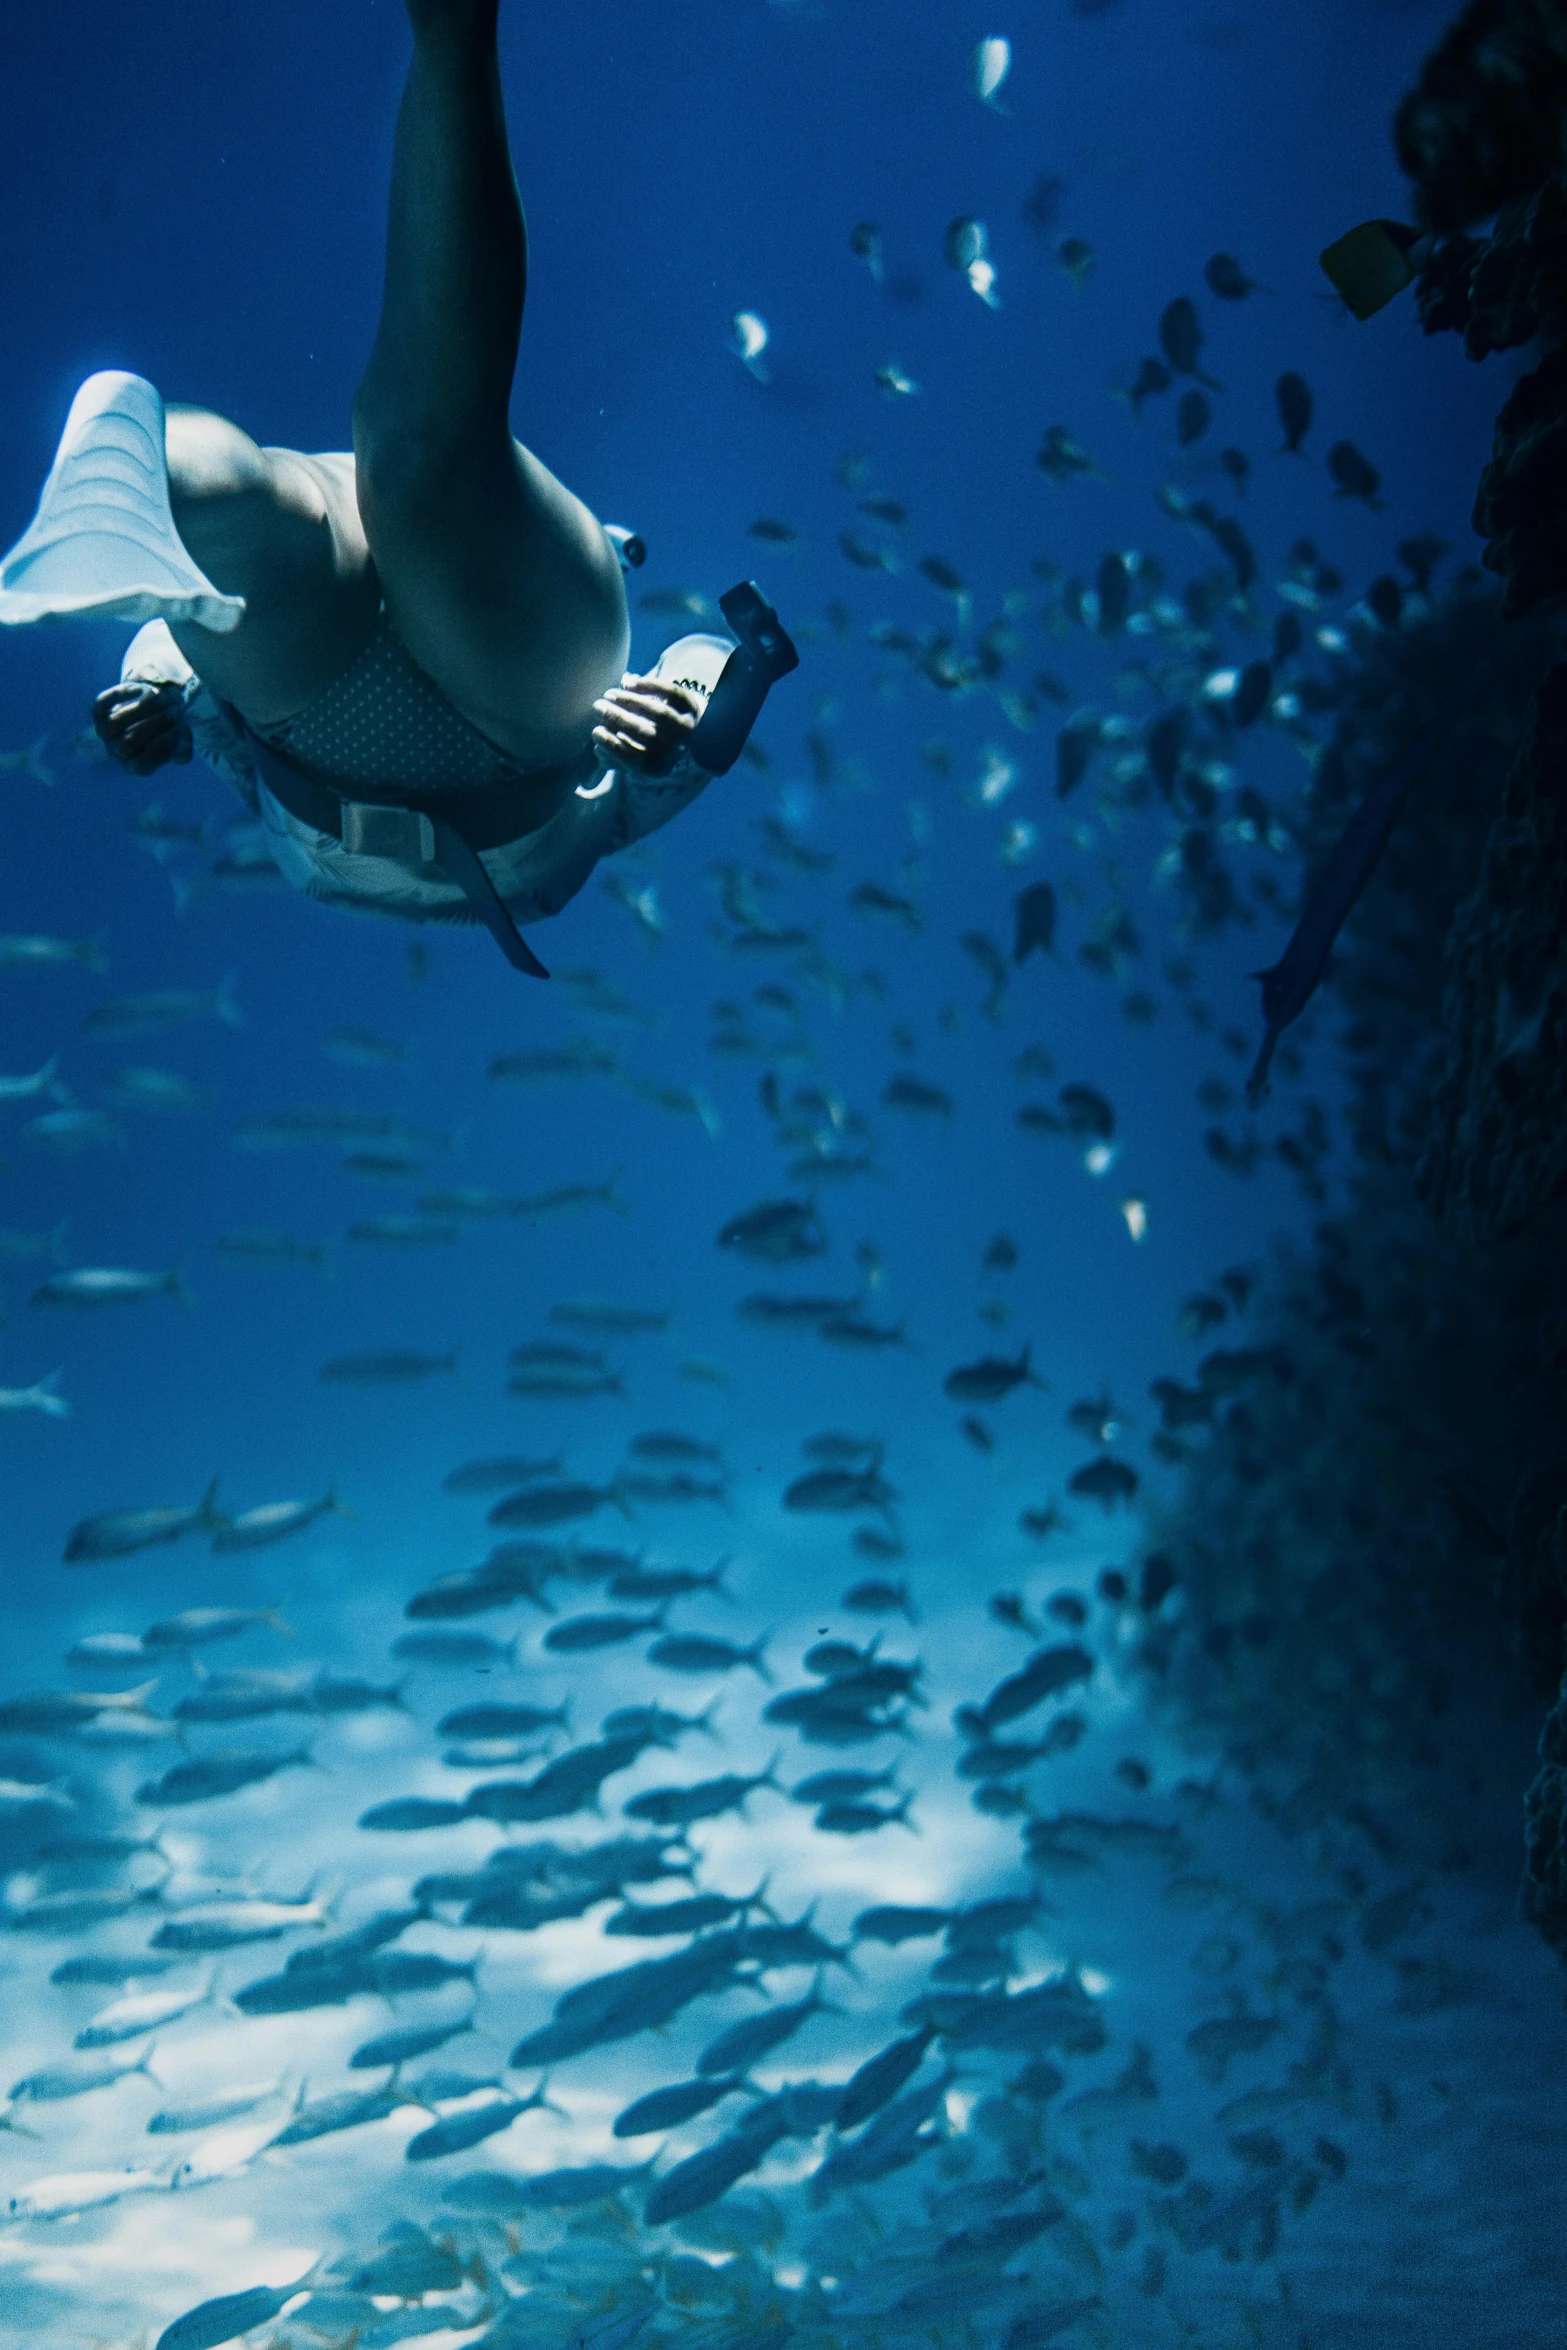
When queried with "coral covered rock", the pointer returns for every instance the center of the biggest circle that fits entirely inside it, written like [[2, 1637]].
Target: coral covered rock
[[1498, 1148]]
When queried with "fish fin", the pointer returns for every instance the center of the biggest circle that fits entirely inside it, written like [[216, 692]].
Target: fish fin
[[1257, 1082], [224, 1005]]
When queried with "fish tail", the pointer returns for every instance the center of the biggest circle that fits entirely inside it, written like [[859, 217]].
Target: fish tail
[[224, 1004], [332, 1507], [95, 951], [754, 1656]]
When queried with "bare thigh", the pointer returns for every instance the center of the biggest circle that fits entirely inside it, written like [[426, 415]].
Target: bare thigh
[[500, 582], [282, 530]]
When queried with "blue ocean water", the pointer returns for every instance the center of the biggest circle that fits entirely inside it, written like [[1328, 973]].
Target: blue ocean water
[[203, 203]]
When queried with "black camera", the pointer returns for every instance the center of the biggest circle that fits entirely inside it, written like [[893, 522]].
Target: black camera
[[763, 655]]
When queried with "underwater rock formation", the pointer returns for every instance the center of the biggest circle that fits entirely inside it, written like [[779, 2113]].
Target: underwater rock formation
[[1498, 1148], [1484, 123], [1366, 1548]]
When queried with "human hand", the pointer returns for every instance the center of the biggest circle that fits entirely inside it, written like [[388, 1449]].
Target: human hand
[[143, 726], [644, 722]]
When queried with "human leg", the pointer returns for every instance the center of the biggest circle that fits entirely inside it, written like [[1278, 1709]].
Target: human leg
[[282, 530], [500, 582]]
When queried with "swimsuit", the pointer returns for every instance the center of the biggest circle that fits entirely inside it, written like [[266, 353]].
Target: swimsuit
[[384, 727]]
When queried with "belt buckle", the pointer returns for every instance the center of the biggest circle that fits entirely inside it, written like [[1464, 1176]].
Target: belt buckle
[[400, 834]]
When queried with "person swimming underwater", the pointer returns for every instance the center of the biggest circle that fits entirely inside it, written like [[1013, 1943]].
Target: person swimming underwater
[[410, 659]]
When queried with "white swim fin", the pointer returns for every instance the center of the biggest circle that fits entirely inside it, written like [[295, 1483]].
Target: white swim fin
[[103, 545]]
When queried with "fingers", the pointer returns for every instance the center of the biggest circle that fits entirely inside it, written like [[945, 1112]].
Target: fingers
[[618, 750]]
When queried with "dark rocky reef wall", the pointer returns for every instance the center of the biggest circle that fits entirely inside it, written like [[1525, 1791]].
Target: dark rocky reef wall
[[1483, 126], [1497, 1154]]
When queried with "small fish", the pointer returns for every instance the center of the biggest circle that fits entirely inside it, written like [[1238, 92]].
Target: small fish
[[989, 66], [454, 1651], [709, 1799], [43, 1396], [1076, 259], [666, 2109], [870, 898], [1225, 277], [498, 1475], [37, 1081], [879, 2079], [773, 533], [275, 1248], [1181, 339], [1034, 922], [862, 1819], [225, 2319], [967, 250], [607, 1315], [361, 1048], [1061, 458], [1152, 378], [28, 762], [275, 1521], [104, 1285], [118, 1533], [72, 1130], [502, 1721], [841, 1492], [206, 2113], [1105, 1481], [576, 1635], [392, 1367], [878, 1598], [701, 1652], [989, 1379], [864, 556], [555, 1504], [582, 1057], [162, 1090], [893, 380], [402, 1232], [139, 2012], [34, 953], [1293, 395], [215, 1774], [750, 341], [865, 245], [197, 1627], [1193, 415], [65, 2193], [174, 1007], [1354, 476], [652, 1584]]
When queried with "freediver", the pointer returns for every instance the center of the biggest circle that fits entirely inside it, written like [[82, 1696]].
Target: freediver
[[410, 659]]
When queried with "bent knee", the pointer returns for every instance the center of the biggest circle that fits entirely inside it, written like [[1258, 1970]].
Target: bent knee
[[416, 464]]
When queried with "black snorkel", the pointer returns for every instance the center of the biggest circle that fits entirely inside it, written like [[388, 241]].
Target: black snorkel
[[763, 655]]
